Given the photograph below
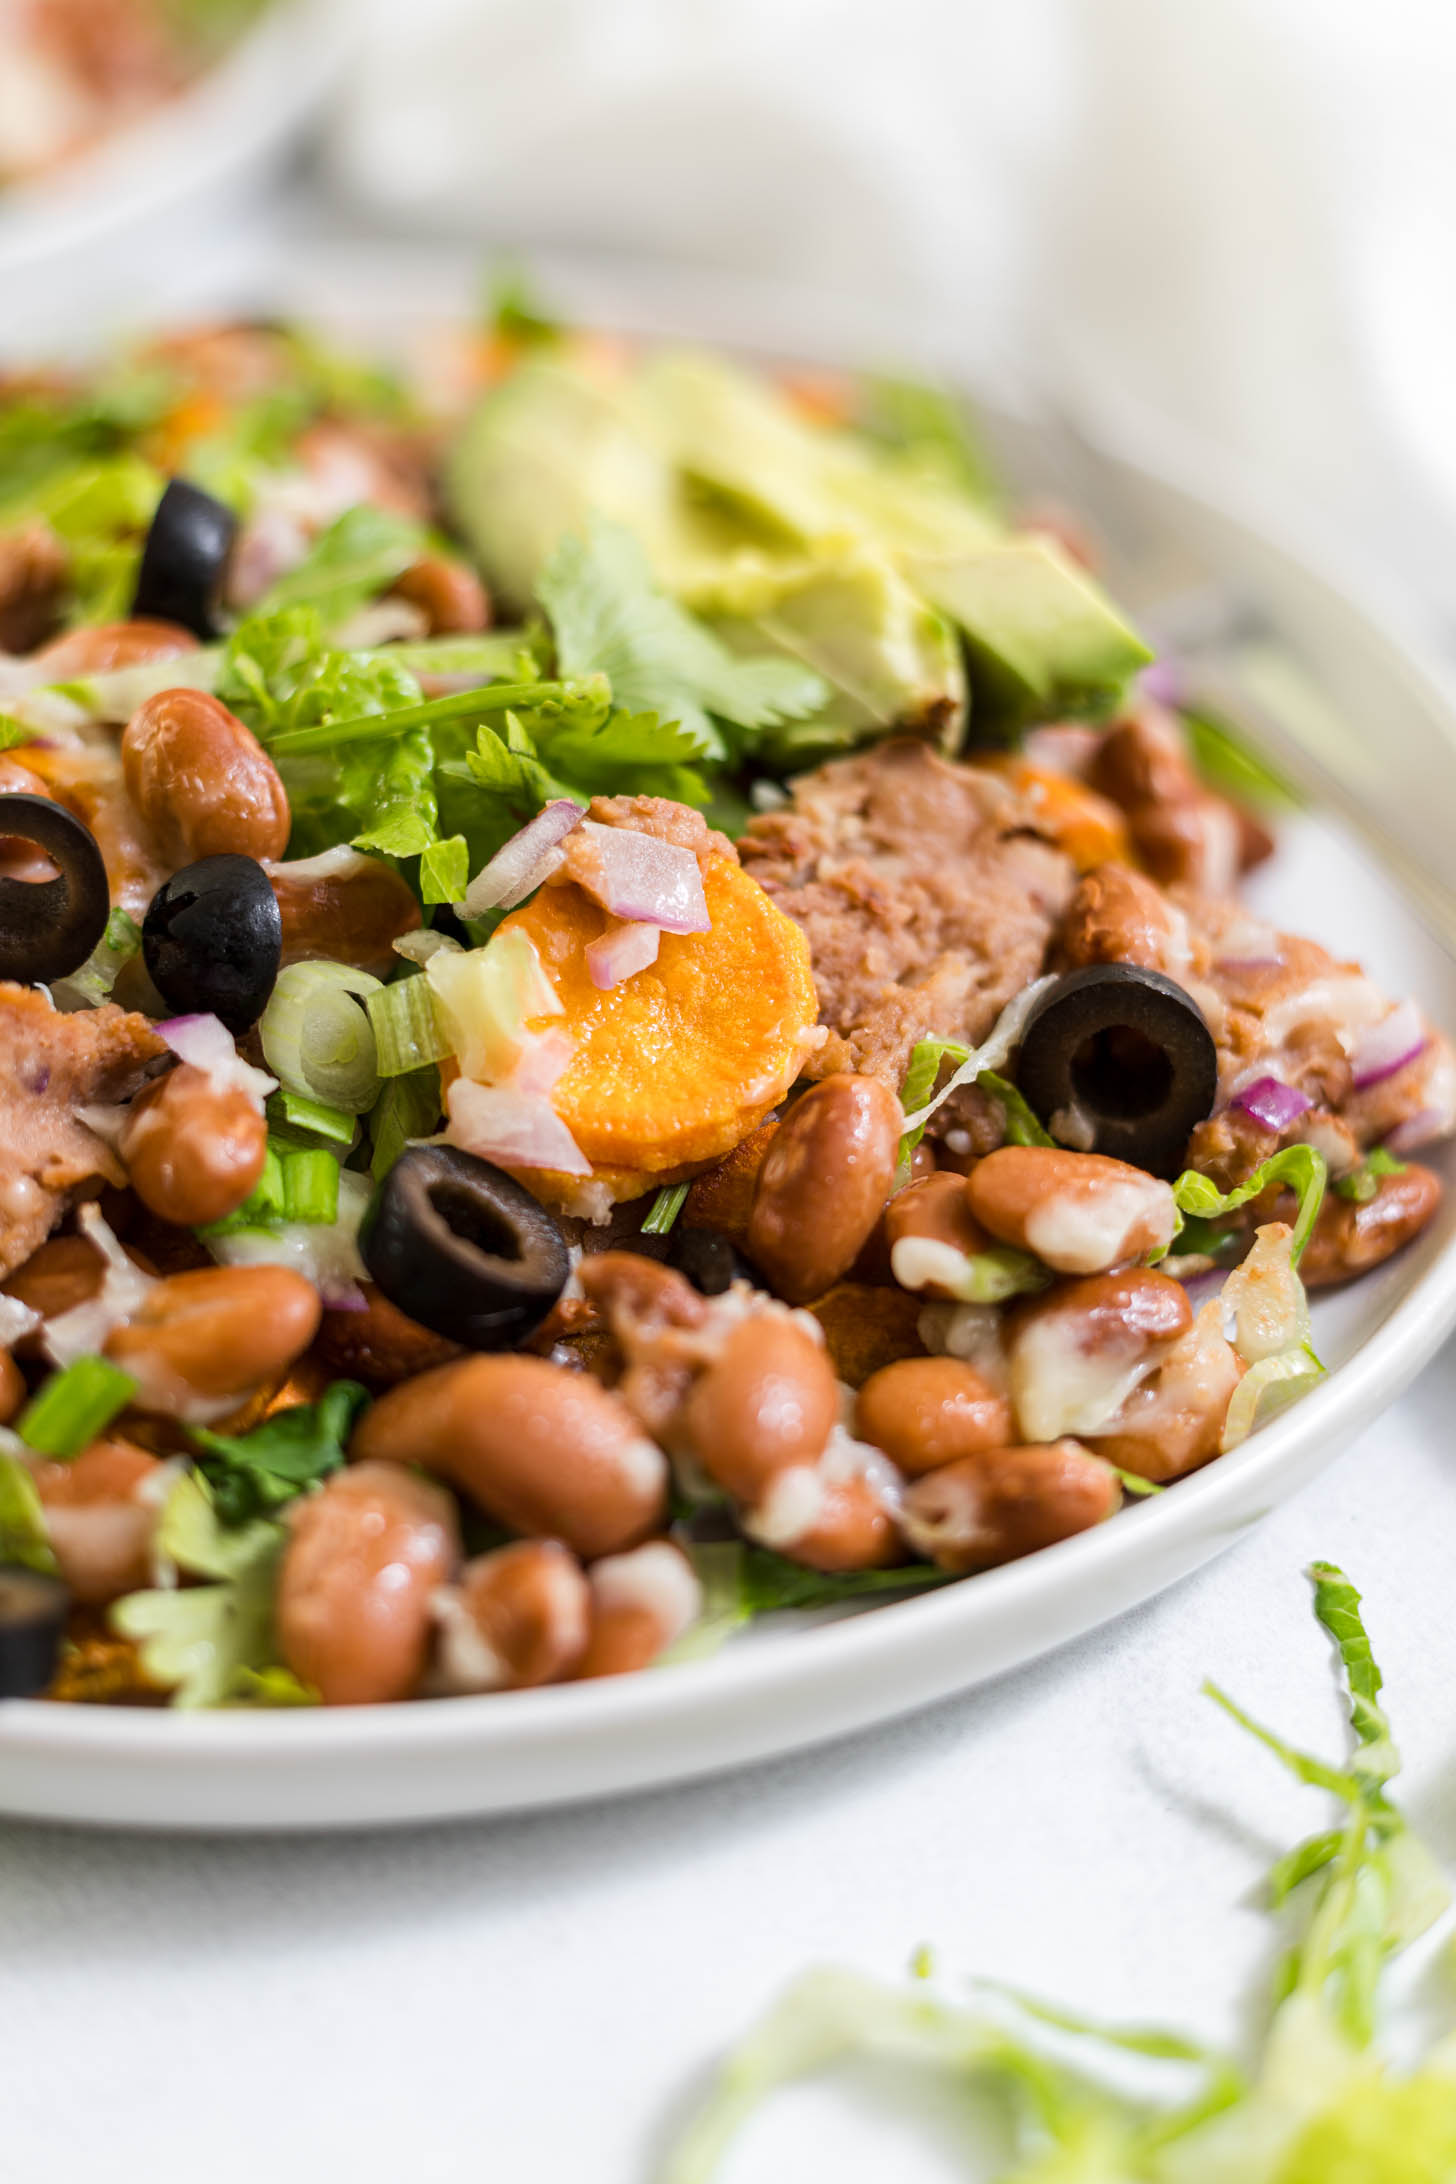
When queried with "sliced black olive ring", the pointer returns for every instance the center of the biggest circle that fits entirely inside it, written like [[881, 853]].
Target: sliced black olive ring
[[32, 1626], [1126, 1054], [463, 1248], [185, 559], [49, 927], [212, 940]]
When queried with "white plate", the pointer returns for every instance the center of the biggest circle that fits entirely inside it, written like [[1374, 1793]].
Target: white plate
[[793, 1685]]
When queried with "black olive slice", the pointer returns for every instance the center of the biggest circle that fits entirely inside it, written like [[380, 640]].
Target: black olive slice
[[1126, 1052], [463, 1248], [212, 939], [49, 927], [32, 1625], [185, 558], [706, 1258]]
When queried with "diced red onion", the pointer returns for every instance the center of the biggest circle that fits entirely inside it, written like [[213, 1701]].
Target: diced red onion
[[1162, 681], [1396, 1040], [207, 1044], [519, 1129], [342, 1297], [1272, 1103], [1417, 1130], [646, 880], [620, 952], [524, 861], [542, 1060]]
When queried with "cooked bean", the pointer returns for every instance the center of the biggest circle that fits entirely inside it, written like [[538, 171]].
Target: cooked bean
[[1197, 842], [827, 1173], [104, 646], [201, 781], [541, 1449], [351, 916], [928, 1411], [766, 1404], [1080, 1213], [1117, 916], [1005, 1502], [199, 1342], [101, 1513], [193, 1152], [827, 1517], [448, 593], [64, 1272], [638, 1295], [1173, 1422], [1079, 1351], [381, 1344], [33, 568], [12, 1387], [1350, 1238], [930, 1229], [365, 1557], [640, 1603], [518, 1617], [20, 857]]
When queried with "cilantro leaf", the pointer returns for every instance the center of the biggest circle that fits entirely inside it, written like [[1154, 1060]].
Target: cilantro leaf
[[609, 614], [253, 1473]]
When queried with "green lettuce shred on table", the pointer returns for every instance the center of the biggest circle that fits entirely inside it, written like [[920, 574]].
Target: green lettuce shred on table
[[1320, 2102]]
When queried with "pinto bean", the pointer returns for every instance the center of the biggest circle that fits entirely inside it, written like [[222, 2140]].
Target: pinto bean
[[640, 1604], [1173, 1422], [352, 916], [828, 1516], [1080, 1213], [928, 1411], [1197, 842], [1117, 916], [101, 1512], [193, 1152], [1078, 1352], [21, 859], [12, 1387], [381, 1344], [826, 1175], [365, 1557], [767, 1403], [103, 646], [448, 593], [544, 1450], [199, 1342], [1005, 1502], [201, 781], [33, 568], [1350, 1238], [518, 1617], [929, 1228]]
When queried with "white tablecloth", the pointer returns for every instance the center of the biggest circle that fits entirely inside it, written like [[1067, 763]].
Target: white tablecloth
[[531, 1998]]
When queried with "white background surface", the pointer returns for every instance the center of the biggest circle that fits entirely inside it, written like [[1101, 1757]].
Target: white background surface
[[532, 1998]]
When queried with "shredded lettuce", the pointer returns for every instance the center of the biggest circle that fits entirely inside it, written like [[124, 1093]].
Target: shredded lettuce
[[1320, 2107], [1299, 1166], [357, 557], [195, 1639]]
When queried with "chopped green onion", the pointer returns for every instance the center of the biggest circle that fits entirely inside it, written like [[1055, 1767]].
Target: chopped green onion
[[95, 978], [406, 1025], [1133, 1483], [311, 1187], [293, 1111], [318, 1039], [445, 870], [298, 1184], [13, 731], [1362, 1183], [24, 1541], [74, 1406], [666, 1207], [408, 1107]]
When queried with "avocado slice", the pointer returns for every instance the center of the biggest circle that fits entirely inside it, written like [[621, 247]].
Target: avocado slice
[[1042, 637]]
